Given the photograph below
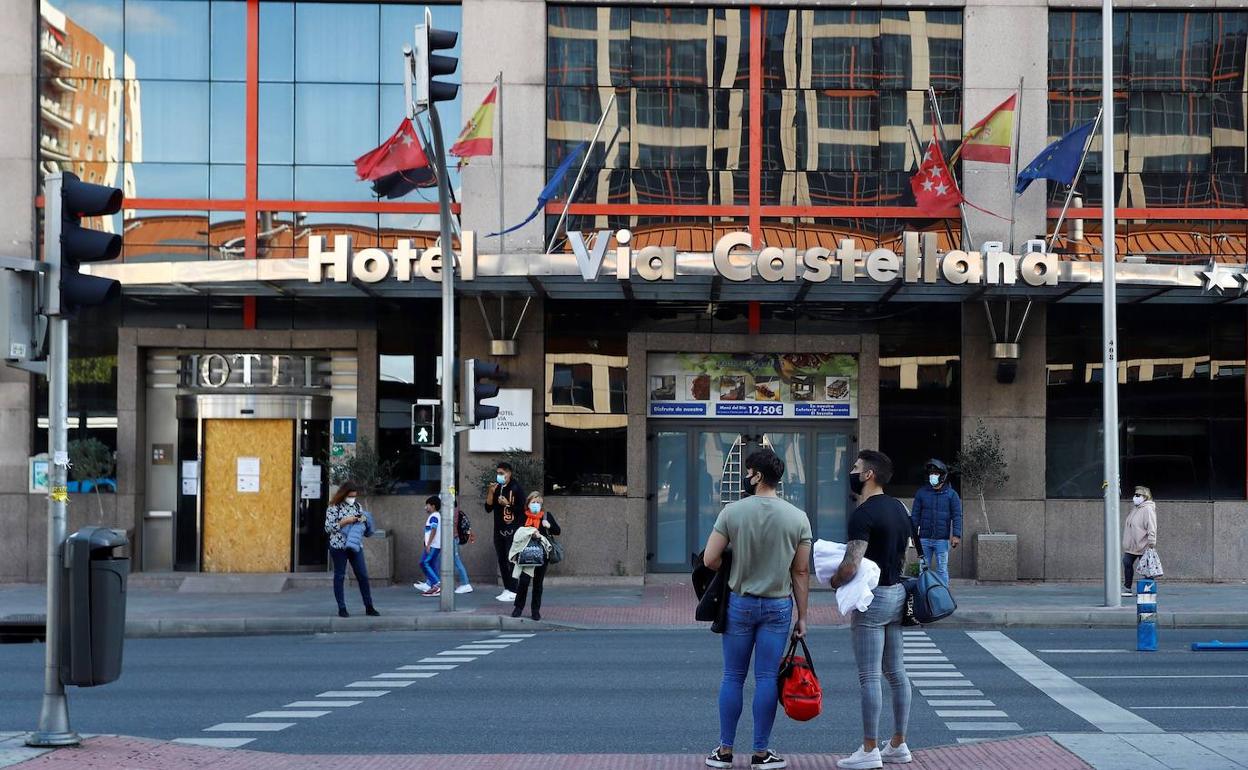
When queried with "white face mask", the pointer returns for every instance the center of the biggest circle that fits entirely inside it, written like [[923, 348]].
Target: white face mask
[[351, 500], [1138, 499], [934, 479]]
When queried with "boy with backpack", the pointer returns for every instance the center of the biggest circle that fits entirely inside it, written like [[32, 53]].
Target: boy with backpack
[[433, 551]]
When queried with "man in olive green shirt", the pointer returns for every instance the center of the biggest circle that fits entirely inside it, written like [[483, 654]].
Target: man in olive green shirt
[[765, 533]]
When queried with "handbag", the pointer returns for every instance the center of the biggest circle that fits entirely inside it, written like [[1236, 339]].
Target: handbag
[[1149, 564], [800, 693], [932, 598], [533, 555], [555, 554]]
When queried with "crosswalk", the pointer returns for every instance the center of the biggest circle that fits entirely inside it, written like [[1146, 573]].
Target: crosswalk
[[232, 735], [965, 710]]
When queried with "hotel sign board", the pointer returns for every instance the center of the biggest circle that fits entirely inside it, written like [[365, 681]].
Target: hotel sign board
[[610, 255], [761, 385]]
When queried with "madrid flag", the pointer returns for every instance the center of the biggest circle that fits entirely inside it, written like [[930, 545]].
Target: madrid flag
[[401, 152], [935, 191], [477, 138], [991, 139]]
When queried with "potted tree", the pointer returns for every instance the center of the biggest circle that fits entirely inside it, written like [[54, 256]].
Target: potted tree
[[983, 468]]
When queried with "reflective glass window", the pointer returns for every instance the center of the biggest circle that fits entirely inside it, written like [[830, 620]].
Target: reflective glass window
[[334, 124], [277, 42], [168, 39], [228, 51], [336, 43]]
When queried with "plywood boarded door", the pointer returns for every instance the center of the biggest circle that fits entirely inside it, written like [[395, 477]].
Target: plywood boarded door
[[248, 531]]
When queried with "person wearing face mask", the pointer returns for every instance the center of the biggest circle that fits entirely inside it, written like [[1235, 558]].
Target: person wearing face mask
[[344, 512], [1139, 533], [937, 516], [504, 499], [768, 578], [537, 517], [879, 530]]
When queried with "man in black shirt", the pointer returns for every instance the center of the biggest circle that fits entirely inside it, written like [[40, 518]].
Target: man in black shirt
[[505, 499], [879, 529]]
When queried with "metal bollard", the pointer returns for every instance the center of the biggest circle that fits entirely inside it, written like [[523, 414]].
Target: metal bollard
[[1146, 615]]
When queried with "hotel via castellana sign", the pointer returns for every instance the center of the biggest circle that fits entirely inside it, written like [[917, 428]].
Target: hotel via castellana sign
[[732, 258]]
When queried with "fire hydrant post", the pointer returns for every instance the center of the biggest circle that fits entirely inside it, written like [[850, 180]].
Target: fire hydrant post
[[1146, 615]]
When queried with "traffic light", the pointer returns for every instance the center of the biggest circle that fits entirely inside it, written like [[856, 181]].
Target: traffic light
[[424, 425], [430, 65], [67, 244], [481, 380]]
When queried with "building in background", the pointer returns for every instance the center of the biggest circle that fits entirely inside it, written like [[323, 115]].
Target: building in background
[[228, 382]]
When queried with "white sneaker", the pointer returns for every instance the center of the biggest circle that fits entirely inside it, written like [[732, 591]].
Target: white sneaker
[[1125, 593], [466, 588], [896, 756], [506, 596], [422, 586], [862, 760]]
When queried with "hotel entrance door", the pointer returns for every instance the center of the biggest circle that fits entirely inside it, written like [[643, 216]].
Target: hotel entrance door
[[696, 469]]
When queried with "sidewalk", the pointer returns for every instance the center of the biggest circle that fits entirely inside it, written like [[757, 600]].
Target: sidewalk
[[663, 602], [116, 752]]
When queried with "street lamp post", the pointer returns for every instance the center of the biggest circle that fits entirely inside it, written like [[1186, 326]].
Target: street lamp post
[[1109, 318]]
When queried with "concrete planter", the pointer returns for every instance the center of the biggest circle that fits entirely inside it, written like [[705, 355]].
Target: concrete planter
[[996, 557]]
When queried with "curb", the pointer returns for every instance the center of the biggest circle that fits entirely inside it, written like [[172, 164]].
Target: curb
[[171, 628]]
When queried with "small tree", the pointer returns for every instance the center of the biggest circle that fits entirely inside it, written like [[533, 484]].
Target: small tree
[[91, 460], [982, 466], [526, 469], [366, 467]]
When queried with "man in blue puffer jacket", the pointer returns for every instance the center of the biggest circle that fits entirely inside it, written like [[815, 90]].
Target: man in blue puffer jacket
[[937, 516]]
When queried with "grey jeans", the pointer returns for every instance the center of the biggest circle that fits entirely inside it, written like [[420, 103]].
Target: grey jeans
[[878, 649]]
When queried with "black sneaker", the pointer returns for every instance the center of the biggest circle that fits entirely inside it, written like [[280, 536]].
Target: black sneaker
[[770, 761], [342, 612], [537, 615], [371, 612], [719, 758], [517, 612]]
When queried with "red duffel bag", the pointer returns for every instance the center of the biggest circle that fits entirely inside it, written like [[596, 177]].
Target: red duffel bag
[[800, 693]]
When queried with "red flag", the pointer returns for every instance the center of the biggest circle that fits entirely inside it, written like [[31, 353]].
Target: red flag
[[935, 190], [401, 152]]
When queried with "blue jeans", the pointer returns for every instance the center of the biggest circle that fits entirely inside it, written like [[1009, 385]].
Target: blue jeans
[[759, 626], [430, 564], [340, 557], [877, 640], [936, 552]]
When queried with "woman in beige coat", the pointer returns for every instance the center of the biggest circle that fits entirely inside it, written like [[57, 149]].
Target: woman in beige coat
[[1139, 533]]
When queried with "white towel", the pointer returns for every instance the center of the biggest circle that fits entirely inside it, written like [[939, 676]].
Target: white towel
[[857, 593]]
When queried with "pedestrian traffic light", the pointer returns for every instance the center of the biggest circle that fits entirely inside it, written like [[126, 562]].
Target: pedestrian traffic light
[[424, 425], [430, 65], [67, 244], [480, 383]]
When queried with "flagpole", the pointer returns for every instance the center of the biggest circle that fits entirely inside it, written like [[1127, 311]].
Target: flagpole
[[940, 125], [1070, 192], [580, 173], [918, 143], [1013, 180], [502, 167]]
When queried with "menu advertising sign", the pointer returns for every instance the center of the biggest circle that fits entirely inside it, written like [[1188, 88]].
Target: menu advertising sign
[[762, 385]]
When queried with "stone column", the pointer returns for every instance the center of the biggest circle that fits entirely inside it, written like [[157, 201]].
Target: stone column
[[1017, 411], [506, 35], [1005, 41]]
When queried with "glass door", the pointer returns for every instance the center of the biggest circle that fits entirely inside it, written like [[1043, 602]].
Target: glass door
[[697, 469]]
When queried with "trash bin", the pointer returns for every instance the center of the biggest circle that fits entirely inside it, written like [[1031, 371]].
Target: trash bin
[[93, 606]]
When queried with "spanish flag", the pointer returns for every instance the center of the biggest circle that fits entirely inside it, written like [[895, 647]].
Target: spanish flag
[[991, 139], [477, 138]]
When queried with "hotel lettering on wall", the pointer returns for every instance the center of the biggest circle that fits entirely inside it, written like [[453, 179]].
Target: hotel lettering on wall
[[610, 255], [253, 371]]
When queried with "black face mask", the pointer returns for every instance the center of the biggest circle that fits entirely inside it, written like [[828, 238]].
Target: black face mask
[[751, 487], [856, 484]]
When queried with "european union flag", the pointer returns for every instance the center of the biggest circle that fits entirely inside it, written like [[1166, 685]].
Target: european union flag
[[550, 190], [1059, 161]]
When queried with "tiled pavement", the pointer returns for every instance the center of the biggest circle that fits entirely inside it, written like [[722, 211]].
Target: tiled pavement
[[116, 753]]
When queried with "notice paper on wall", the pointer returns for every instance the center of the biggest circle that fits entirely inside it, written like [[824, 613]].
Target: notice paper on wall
[[249, 474]]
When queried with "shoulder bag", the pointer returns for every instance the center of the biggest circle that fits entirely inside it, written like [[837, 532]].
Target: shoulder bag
[[932, 599], [1149, 564]]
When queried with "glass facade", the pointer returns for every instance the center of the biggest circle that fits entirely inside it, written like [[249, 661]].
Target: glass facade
[[152, 96], [1179, 138], [835, 91], [586, 421], [1181, 402]]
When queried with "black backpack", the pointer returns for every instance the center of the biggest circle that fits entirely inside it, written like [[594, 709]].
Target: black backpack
[[463, 527]]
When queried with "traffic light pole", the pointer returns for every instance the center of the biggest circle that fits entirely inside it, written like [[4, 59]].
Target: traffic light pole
[[54, 729], [447, 531]]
